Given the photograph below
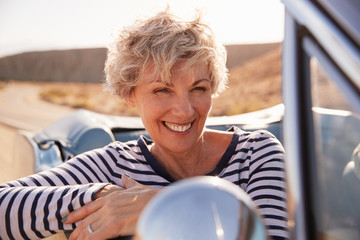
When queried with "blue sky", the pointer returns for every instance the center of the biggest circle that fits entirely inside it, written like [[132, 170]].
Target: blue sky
[[32, 25]]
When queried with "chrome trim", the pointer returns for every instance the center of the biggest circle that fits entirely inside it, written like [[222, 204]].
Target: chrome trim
[[292, 126], [337, 45]]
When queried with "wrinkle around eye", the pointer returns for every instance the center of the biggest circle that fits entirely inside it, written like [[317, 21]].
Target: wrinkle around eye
[[202, 89], [162, 91]]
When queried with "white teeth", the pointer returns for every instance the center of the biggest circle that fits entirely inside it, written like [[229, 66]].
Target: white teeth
[[177, 128]]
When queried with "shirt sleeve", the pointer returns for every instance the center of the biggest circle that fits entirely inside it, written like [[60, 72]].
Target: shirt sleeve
[[33, 207], [267, 185]]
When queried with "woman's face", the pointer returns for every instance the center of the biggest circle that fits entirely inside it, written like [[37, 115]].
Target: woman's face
[[174, 114]]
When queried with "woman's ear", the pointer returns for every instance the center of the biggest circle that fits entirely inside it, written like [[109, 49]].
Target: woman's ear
[[130, 101]]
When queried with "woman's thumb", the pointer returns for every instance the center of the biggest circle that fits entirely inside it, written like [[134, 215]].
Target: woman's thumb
[[128, 182]]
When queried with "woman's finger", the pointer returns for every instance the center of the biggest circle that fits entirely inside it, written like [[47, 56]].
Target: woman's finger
[[129, 182], [93, 206], [88, 226], [83, 212], [108, 189], [114, 213], [118, 224], [105, 224]]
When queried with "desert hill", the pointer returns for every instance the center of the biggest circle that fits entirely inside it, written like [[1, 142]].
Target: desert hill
[[240, 54], [254, 80], [252, 86], [86, 65], [77, 65]]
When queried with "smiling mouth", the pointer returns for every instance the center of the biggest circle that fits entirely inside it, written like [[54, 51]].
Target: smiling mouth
[[177, 127]]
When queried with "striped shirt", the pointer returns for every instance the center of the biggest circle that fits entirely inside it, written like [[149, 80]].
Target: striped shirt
[[33, 207]]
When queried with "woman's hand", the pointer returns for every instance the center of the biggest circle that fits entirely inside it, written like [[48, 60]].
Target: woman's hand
[[114, 213]]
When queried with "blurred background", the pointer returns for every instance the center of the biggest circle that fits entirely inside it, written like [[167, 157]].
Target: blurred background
[[67, 24], [52, 55]]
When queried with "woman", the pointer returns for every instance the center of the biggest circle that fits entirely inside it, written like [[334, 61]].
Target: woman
[[169, 70]]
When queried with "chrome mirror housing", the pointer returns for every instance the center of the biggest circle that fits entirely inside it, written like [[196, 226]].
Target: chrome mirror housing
[[201, 208]]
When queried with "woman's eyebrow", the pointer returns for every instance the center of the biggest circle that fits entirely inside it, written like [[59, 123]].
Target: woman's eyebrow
[[199, 81], [156, 80], [170, 84], [159, 81]]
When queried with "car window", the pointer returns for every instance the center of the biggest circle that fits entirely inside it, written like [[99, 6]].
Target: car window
[[336, 124], [346, 13]]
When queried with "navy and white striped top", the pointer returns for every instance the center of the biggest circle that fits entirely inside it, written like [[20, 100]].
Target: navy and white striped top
[[32, 207]]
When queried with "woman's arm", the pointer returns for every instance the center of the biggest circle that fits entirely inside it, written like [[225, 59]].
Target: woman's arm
[[33, 207], [114, 213], [267, 185], [36, 212]]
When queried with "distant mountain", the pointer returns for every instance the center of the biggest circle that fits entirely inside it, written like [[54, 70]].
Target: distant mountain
[[86, 65], [239, 54], [252, 86], [77, 65]]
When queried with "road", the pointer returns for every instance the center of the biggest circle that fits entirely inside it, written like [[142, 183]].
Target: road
[[20, 107]]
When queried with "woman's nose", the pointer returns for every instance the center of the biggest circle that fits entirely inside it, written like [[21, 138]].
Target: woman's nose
[[183, 107]]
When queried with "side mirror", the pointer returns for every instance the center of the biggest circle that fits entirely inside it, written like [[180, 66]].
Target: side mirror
[[201, 208]]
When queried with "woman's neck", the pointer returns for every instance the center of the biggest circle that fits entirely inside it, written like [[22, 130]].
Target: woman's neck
[[201, 159]]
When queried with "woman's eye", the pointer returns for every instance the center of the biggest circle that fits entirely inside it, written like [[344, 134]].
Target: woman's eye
[[201, 89], [161, 90]]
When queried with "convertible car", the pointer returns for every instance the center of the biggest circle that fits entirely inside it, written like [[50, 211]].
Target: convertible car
[[85, 130], [319, 122]]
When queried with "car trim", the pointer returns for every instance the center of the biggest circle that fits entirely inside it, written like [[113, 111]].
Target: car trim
[[291, 125], [341, 49]]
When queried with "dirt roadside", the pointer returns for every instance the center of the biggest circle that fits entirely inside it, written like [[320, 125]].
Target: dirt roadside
[[8, 168], [12, 168], [23, 107]]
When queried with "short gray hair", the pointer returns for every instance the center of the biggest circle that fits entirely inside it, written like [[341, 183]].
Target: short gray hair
[[163, 41]]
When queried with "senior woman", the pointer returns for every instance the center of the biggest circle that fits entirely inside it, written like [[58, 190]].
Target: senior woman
[[169, 70]]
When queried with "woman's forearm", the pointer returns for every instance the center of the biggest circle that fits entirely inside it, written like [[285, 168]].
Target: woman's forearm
[[37, 212]]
